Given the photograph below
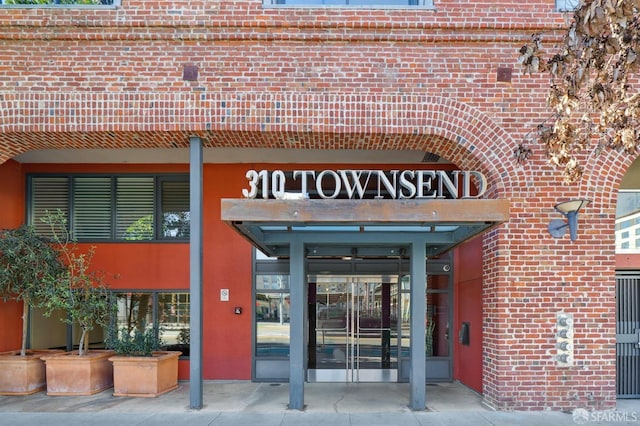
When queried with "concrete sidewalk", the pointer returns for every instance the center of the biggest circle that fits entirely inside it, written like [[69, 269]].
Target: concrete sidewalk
[[245, 403]]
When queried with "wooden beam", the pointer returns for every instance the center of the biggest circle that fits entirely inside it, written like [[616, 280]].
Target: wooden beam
[[409, 211]]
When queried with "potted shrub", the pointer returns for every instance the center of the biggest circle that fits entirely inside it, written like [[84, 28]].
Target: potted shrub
[[140, 368], [83, 294], [27, 263]]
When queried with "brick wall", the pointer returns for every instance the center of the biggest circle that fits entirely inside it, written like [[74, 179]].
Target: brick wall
[[341, 78]]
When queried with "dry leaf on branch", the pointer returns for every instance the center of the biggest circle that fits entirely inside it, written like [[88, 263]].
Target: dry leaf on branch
[[593, 103]]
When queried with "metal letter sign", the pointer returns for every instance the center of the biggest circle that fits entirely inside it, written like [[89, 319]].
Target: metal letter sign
[[364, 184]]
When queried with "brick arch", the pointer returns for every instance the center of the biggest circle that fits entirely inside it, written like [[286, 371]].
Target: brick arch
[[455, 131], [604, 172]]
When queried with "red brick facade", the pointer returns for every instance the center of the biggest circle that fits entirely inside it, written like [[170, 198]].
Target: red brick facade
[[348, 78]]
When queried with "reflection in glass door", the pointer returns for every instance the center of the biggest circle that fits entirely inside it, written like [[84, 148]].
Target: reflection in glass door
[[353, 332], [438, 316]]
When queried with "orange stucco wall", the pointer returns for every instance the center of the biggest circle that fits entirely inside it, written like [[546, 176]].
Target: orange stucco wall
[[226, 265], [12, 194], [10, 325], [11, 216], [226, 261], [467, 292]]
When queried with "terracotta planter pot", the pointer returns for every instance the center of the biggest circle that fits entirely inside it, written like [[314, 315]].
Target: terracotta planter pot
[[23, 375], [71, 374], [145, 376]]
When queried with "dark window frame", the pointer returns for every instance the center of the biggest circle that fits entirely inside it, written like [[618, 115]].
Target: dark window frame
[[158, 230], [271, 267], [60, 4], [350, 4], [158, 178], [155, 299]]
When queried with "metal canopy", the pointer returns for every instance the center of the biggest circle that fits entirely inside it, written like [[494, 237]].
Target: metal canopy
[[375, 228], [378, 227]]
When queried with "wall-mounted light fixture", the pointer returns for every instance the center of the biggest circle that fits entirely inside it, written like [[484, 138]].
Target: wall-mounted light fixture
[[569, 209]]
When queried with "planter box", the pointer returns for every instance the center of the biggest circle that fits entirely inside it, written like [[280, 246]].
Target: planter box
[[181, 347], [23, 375], [71, 374], [145, 376]]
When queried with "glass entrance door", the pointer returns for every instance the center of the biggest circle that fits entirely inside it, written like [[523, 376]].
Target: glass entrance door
[[353, 332]]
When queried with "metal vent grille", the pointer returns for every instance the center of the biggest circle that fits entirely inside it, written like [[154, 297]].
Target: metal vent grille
[[430, 157]]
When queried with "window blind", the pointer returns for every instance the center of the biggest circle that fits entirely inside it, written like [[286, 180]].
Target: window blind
[[92, 208], [48, 195], [134, 208]]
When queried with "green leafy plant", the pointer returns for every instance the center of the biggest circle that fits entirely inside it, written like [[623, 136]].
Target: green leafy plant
[[78, 290], [184, 337], [28, 267], [135, 343], [141, 229]]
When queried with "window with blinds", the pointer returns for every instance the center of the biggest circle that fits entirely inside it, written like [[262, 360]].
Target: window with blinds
[[48, 195], [134, 208], [92, 208], [105, 208]]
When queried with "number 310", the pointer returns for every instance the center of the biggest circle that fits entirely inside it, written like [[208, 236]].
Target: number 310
[[259, 181]]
